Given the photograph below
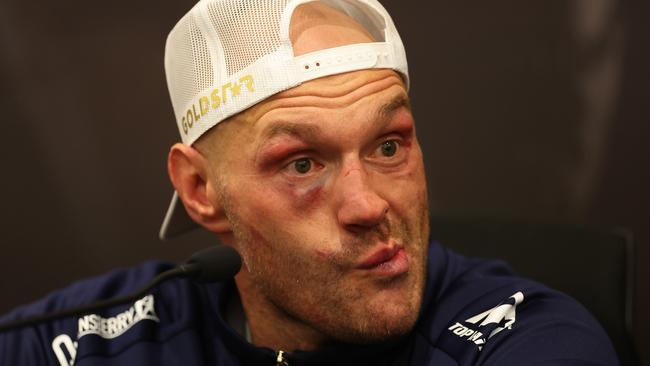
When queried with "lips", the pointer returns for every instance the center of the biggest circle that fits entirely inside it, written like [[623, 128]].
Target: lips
[[388, 261]]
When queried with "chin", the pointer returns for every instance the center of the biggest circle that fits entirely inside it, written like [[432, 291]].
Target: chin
[[388, 329], [397, 321], [381, 322], [390, 314]]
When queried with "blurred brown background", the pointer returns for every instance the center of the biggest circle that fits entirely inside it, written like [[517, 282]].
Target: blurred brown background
[[530, 110]]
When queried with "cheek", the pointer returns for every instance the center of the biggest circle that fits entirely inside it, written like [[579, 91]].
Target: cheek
[[407, 191], [324, 255], [415, 169], [412, 177], [277, 211], [288, 252]]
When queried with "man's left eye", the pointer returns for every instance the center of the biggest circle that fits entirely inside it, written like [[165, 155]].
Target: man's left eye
[[389, 148], [302, 166]]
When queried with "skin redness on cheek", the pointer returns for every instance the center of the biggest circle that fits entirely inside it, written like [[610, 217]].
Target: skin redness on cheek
[[323, 254]]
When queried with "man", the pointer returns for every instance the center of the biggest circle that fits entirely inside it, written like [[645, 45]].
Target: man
[[299, 151]]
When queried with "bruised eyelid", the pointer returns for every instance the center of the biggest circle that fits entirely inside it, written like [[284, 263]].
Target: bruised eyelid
[[286, 133], [278, 149], [402, 123]]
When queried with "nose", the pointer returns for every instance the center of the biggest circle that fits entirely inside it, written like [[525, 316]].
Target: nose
[[361, 208]]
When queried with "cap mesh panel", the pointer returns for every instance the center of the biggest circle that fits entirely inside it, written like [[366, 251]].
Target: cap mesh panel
[[191, 71], [248, 30]]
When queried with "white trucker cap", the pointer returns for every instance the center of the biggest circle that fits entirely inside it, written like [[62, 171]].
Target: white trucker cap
[[225, 56]]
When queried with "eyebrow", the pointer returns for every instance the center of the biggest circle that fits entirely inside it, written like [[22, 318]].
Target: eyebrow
[[299, 130], [387, 110]]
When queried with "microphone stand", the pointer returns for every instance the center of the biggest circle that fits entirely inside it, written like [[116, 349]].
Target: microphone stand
[[185, 270], [209, 265]]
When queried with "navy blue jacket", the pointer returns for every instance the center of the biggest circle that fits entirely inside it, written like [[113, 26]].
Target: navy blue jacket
[[475, 312]]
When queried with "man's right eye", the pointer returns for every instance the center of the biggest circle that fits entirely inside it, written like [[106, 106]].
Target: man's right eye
[[302, 166]]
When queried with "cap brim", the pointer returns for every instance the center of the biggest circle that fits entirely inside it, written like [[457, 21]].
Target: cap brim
[[176, 221]]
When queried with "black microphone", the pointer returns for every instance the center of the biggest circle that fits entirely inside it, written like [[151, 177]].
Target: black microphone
[[208, 265]]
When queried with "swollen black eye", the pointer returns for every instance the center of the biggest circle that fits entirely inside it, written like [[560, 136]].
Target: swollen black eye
[[389, 148], [302, 166]]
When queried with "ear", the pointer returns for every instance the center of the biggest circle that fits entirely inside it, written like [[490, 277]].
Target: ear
[[188, 171]]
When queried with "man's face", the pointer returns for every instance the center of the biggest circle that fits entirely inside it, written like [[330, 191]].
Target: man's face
[[325, 190]]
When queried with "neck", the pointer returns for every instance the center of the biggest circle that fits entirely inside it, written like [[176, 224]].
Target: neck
[[272, 327]]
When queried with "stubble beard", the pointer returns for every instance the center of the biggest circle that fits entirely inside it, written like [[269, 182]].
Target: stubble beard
[[319, 294]]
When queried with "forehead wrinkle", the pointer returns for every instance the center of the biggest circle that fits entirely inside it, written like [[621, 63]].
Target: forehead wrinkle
[[326, 98], [383, 115]]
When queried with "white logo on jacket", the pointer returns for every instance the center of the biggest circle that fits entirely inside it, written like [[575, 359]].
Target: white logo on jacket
[[503, 315], [65, 349], [115, 326]]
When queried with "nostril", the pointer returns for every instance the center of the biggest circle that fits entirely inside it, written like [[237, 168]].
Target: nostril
[[357, 229]]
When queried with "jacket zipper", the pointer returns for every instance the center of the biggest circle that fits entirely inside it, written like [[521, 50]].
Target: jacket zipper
[[281, 359]]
